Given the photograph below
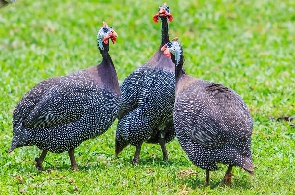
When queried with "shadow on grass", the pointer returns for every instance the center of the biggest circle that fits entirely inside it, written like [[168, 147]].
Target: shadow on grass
[[96, 161], [89, 162], [82, 168], [199, 182], [102, 164], [158, 161]]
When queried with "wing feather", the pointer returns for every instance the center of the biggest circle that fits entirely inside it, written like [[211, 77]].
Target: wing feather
[[59, 107]]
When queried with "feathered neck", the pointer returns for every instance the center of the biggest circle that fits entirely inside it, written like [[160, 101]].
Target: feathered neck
[[107, 71], [179, 72], [105, 51], [106, 58], [165, 27]]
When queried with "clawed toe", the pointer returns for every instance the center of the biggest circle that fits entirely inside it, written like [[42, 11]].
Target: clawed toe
[[227, 179], [165, 158], [75, 168], [38, 164], [134, 161]]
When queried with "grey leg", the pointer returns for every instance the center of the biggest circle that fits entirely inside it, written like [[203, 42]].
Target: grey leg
[[228, 175], [163, 147], [136, 155], [40, 160], [73, 160], [207, 178]]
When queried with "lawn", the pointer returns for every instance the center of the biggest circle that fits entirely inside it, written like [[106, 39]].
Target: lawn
[[248, 46]]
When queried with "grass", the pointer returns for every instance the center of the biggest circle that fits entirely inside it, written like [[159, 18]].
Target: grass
[[246, 45]]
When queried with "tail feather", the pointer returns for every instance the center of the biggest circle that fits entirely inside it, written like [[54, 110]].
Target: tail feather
[[248, 165]]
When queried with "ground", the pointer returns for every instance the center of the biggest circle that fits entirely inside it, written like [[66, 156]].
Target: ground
[[245, 45]]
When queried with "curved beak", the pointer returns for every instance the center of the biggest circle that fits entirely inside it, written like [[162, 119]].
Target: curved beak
[[13, 144], [112, 35], [119, 146], [162, 12], [11, 149], [166, 51]]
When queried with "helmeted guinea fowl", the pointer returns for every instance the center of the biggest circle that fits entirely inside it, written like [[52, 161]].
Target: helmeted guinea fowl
[[145, 113], [212, 123], [3, 3], [60, 113]]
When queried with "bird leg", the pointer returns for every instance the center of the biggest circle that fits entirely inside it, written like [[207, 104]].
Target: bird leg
[[73, 160], [227, 178], [207, 178], [40, 160], [136, 155], [164, 150]]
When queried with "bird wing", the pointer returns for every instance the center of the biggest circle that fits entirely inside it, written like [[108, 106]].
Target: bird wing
[[31, 98], [195, 118], [59, 106], [208, 131], [129, 92]]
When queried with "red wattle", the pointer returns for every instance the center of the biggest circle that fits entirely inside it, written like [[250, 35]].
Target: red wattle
[[170, 18], [106, 41], [155, 18], [167, 53], [114, 40]]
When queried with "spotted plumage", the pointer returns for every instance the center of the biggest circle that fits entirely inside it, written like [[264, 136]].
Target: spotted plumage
[[212, 122], [58, 114], [147, 100]]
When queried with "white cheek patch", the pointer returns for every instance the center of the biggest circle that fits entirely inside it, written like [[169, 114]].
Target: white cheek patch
[[100, 36], [176, 51], [177, 57]]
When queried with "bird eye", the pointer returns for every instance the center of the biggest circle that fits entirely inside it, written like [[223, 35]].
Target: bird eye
[[105, 30]]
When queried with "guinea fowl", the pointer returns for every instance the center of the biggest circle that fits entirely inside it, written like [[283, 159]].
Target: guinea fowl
[[3, 3], [212, 123], [60, 113], [145, 113]]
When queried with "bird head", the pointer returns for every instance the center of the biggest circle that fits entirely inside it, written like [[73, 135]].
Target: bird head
[[119, 146], [121, 141], [173, 48], [104, 34], [20, 138], [163, 11]]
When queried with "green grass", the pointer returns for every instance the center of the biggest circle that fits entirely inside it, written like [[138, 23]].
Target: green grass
[[246, 45]]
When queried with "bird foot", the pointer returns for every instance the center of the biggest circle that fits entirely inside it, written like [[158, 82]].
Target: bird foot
[[206, 184], [165, 158], [75, 168], [38, 164], [135, 161], [227, 179]]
